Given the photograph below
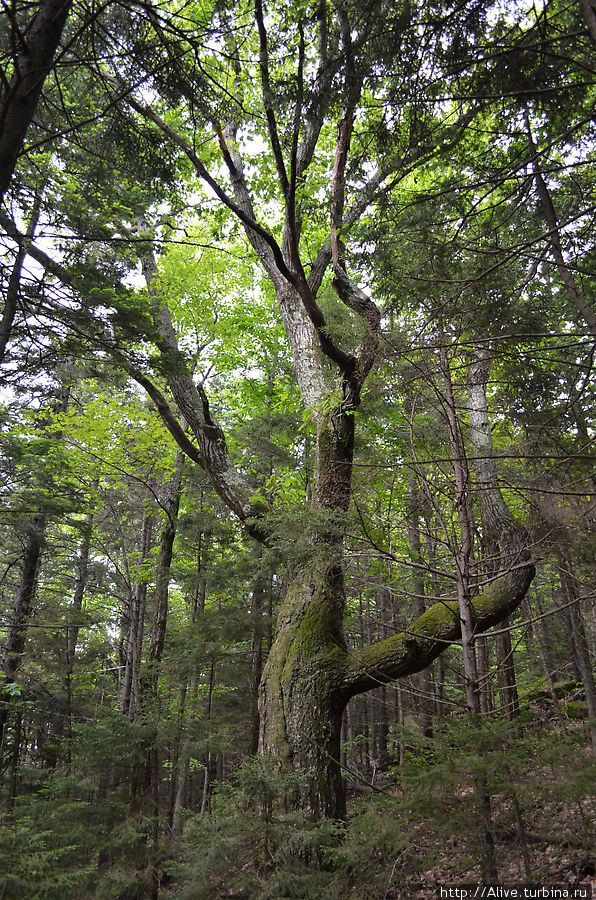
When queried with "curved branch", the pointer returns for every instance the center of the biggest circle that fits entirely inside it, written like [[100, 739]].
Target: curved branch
[[413, 650], [193, 403], [360, 303], [211, 453]]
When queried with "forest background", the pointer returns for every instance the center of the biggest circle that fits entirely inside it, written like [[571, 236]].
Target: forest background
[[296, 359]]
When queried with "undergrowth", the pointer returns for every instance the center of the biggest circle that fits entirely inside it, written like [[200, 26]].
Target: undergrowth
[[419, 825]]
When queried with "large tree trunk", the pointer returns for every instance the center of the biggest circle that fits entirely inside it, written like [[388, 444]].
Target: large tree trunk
[[310, 676], [301, 702]]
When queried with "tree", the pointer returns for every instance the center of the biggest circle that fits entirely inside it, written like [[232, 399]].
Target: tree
[[343, 161], [310, 675]]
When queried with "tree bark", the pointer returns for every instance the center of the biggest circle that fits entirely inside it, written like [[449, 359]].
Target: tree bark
[[546, 657], [310, 676], [496, 518], [258, 595], [483, 676], [571, 594], [301, 702], [14, 642], [32, 63], [573, 290], [16, 633], [464, 552], [171, 505], [425, 704], [14, 282], [72, 631], [136, 622]]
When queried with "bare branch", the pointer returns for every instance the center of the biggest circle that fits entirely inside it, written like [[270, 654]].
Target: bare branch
[[268, 100]]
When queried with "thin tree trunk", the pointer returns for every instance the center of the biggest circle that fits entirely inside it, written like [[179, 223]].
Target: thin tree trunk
[[13, 646], [146, 700], [506, 673], [425, 704], [400, 718], [464, 552], [14, 642], [12, 291], [181, 797], [484, 676], [488, 863], [573, 289], [205, 799], [13, 764], [545, 651], [440, 686], [370, 698], [136, 621], [571, 594], [258, 595], [543, 637], [197, 609], [72, 631], [383, 726], [496, 518], [171, 505]]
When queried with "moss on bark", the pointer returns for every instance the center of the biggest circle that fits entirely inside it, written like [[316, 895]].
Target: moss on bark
[[413, 650], [310, 675]]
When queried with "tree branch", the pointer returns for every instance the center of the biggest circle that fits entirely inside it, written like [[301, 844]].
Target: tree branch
[[31, 67], [589, 14], [211, 453], [268, 100], [193, 403], [344, 360], [411, 651], [352, 90]]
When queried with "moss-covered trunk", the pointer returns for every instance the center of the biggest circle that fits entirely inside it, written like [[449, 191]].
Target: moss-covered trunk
[[310, 674], [300, 700]]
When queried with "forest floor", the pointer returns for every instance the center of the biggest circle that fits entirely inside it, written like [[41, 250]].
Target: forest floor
[[550, 843], [415, 828]]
